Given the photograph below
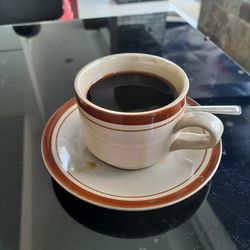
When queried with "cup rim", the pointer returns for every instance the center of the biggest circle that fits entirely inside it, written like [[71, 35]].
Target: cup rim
[[82, 99]]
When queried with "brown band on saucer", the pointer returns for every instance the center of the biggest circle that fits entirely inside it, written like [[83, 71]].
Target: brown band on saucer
[[86, 195], [129, 119]]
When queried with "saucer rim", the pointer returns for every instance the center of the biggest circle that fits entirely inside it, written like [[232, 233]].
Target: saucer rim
[[127, 205]]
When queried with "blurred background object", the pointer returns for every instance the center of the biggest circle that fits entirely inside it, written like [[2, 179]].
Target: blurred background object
[[227, 23], [149, 27], [27, 11]]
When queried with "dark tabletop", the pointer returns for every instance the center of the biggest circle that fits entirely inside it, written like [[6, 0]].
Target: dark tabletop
[[36, 77]]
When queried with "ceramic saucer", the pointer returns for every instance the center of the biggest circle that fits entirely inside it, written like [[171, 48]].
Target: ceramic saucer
[[174, 178]]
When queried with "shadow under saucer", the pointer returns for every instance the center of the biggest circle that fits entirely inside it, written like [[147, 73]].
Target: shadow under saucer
[[125, 224]]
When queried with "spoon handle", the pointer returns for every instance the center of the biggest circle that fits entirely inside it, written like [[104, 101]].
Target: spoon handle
[[224, 110]]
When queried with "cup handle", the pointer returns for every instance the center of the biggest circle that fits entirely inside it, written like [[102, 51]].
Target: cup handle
[[188, 140]]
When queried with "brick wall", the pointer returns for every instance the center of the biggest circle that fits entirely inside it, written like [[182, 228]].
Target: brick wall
[[227, 23]]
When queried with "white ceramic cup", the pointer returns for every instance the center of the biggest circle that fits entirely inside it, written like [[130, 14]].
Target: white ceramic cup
[[138, 140]]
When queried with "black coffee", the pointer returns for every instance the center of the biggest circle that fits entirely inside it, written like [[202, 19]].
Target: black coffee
[[131, 92]]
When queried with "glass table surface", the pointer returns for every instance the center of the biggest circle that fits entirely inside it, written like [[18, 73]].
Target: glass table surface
[[38, 64]]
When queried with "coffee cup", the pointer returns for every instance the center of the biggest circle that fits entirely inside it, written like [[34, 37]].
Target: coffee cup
[[140, 138]]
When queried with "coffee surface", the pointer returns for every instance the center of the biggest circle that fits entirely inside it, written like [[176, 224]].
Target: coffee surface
[[131, 92]]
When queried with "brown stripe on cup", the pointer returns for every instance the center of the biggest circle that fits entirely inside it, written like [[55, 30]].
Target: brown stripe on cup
[[129, 119]]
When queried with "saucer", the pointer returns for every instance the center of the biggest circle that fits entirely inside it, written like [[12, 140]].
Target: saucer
[[175, 178]]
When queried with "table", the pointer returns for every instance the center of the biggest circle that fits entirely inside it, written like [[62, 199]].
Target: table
[[36, 77]]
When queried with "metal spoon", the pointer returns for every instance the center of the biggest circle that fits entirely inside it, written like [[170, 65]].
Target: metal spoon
[[224, 110]]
